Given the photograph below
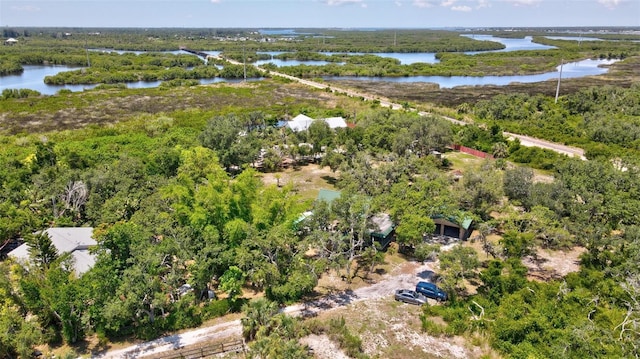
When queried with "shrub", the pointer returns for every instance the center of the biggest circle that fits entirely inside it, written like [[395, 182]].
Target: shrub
[[185, 315], [431, 327], [215, 309], [19, 93], [349, 342], [426, 251]]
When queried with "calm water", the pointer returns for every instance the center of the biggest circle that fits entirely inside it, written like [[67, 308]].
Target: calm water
[[33, 78], [525, 43], [569, 70], [281, 63], [174, 52], [573, 38], [419, 57]]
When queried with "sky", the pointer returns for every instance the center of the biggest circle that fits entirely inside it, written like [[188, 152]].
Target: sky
[[319, 13]]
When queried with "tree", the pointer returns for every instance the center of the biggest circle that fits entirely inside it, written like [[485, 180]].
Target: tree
[[257, 314], [500, 150], [371, 257], [517, 245], [66, 299], [41, 249], [430, 133], [231, 282], [75, 196], [18, 335], [458, 264], [481, 190], [412, 229], [231, 138], [518, 184], [272, 160], [353, 213], [320, 134]]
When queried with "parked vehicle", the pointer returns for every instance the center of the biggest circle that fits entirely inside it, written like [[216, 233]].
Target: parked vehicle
[[410, 296], [432, 291]]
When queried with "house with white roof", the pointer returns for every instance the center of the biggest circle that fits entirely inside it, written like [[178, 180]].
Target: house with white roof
[[335, 122], [302, 122], [73, 240]]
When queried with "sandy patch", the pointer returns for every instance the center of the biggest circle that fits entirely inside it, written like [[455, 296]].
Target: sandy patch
[[548, 265], [323, 347]]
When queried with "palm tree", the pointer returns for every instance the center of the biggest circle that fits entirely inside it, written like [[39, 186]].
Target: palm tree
[[500, 150], [258, 313]]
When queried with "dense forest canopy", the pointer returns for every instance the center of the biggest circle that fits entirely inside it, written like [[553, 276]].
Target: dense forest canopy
[[171, 181]]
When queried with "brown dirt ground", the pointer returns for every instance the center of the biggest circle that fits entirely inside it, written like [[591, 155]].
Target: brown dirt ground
[[548, 265], [392, 330], [306, 180]]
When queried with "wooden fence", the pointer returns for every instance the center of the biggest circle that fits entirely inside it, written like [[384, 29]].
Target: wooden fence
[[202, 350], [472, 151]]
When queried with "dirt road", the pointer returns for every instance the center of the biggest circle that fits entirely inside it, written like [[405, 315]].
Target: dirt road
[[402, 276], [557, 147], [524, 140]]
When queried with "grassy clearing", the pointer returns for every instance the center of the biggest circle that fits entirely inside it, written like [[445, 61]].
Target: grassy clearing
[[463, 162], [306, 180]]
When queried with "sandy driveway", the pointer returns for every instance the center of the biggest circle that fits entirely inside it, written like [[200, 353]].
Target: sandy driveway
[[405, 275]]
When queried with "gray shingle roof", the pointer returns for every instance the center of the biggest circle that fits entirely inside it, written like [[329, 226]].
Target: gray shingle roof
[[74, 240]]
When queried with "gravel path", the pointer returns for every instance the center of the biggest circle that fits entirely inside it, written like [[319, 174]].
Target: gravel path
[[402, 276]]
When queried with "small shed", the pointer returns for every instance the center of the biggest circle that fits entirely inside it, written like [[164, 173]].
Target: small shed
[[10, 41], [452, 227], [383, 229]]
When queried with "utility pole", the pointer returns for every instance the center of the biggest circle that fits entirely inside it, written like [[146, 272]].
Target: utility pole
[[244, 63], [86, 48], [559, 78]]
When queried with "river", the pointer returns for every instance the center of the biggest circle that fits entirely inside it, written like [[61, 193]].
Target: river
[[525, 43], [33, 76], [569, 70]]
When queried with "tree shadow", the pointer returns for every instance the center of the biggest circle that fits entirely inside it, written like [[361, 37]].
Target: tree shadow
[[330, 179], [426, 275], [338, 299]]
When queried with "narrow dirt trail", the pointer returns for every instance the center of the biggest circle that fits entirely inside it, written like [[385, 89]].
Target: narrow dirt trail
[[405, 275]]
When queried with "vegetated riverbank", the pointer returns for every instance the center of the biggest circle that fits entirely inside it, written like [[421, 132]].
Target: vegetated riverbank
[[75, 110], [622, 73]]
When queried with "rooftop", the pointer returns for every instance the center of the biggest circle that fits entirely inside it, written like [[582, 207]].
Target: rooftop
[[73, 240]]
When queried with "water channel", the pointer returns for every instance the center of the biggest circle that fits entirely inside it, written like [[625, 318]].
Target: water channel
[[569, 70], [423, 57], [33, 76]]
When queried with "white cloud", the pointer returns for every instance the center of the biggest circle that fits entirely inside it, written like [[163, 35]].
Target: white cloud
[[524, 2], [611, 4], [216, 1], [398, 3], [424, 3], [26, 8], [345, 2], [447, 3], [461, 8], [483, 4]]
